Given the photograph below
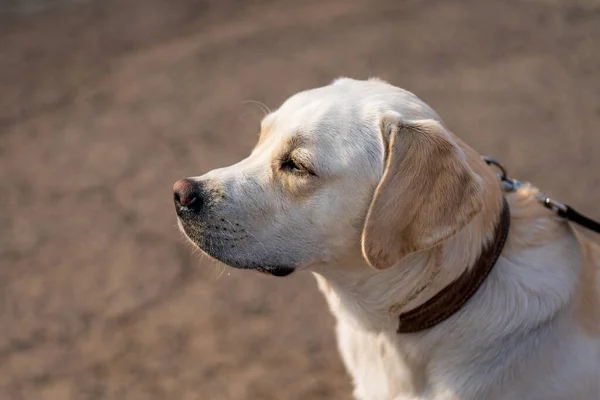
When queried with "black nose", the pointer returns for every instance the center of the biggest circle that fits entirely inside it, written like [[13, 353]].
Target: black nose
[[187, 195]]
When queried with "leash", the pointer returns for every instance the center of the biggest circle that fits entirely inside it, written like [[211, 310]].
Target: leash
[[560, 209]]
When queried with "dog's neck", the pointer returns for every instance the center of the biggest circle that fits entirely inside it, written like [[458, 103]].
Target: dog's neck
[[375, 298]]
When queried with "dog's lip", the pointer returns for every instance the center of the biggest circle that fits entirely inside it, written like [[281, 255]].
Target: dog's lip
[[279, 271], [276, 271]]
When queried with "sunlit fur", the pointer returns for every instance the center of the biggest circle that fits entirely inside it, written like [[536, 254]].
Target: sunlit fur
[[532, 331]]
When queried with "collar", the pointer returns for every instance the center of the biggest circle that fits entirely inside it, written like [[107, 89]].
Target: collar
[[451, 298]]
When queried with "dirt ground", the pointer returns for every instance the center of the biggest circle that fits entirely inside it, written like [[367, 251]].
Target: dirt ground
[[104, 104]]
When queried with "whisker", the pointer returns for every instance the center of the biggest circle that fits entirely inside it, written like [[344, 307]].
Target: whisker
[[251, 234], [262, 106], [222, 272]]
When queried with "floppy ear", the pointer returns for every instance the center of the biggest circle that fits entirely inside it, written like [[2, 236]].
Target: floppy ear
[[427, 192]]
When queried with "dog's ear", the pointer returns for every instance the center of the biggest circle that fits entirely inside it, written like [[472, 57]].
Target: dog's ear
[[427, 192]]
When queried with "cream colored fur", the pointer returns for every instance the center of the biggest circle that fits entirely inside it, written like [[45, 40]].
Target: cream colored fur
[[394, 208]]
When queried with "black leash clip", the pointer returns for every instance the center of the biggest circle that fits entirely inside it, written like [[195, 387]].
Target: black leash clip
[[560, 209]]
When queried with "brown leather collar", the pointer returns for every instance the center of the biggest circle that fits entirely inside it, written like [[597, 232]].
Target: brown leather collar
[[451, 298]]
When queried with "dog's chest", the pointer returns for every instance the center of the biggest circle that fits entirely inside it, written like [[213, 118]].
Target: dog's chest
[[376, 368], [378, 372]]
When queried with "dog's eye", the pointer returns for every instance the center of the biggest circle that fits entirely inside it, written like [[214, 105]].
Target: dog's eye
[[293, 166]]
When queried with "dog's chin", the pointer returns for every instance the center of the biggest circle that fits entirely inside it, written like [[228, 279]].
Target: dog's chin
[[273, 270]]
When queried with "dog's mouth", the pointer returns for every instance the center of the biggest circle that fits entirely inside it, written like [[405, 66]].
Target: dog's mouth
[[275, 271], [207, 243]]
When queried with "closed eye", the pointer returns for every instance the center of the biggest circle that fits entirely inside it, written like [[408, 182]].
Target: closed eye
[[293, 166]]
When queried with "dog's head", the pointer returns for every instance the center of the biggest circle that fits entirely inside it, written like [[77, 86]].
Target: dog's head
[[356, 166]]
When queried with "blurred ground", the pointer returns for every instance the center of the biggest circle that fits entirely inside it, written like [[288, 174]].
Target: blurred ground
[[104, 104]]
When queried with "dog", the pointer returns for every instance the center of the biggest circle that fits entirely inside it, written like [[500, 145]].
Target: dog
[[361, 183]]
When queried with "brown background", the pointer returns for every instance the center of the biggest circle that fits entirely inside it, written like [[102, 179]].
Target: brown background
[[104, 104]]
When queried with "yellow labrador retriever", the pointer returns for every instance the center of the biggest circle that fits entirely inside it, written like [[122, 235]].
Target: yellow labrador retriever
[[443, 286]]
